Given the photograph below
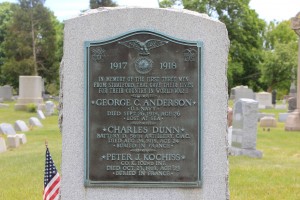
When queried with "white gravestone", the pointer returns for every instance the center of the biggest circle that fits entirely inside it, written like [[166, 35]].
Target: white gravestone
[[49, 107], [244, 128], [13, 141], [22, 138], [241, 92], [33, 121], [30, 92], [7, 129], [191, 26], [20, 125], [40, 114], [264, 100], [3, 147]]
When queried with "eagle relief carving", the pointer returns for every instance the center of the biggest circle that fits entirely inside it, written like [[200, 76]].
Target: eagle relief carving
[[143, 64]]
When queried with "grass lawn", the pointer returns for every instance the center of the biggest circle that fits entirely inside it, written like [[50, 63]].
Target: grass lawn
[[275, 176], [22, 169]]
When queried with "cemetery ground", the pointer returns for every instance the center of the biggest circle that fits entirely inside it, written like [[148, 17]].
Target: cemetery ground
[[275, 176]]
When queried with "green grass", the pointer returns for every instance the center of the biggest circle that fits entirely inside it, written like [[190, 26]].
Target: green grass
[[275, 176], [22, 169]]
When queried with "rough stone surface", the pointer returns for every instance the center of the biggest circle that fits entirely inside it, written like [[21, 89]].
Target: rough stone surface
[[181, 24], [20, 125], [268, 122], [244, 128]]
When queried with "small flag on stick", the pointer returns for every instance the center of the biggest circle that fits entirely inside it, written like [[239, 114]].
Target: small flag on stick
[[51, 179]]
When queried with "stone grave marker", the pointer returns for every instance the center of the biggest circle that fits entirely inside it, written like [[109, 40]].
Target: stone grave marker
[[292, 101], [3, 147], [13, 141], [282, 117], [268, 122], [30, 91], [244, 128], [7, 129], [49, 106], [33, 121], [148, 86], [40, 114], [241, 92], [21, 126], [264, 100], [6, 93], [22, 138]]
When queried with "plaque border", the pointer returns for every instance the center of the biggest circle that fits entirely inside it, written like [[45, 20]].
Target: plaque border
[[89, 183]]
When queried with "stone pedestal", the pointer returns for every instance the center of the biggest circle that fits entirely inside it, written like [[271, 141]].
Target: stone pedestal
[[30, 91], [293, 121]]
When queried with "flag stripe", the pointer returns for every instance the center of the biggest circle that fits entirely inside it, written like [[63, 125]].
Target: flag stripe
[[53, 185], [51, 179]]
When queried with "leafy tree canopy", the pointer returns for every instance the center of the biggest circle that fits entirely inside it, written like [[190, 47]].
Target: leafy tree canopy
[[31, 43], [102, 3], [245, 31], [280, 56]]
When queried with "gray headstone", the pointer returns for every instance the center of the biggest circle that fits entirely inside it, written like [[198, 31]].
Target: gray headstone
[[49, 106], [21, 126], [7, 129], [292, 101], [33, 121], [190, 26], [6, 93], [282, 117], [241, 92], [2, 145], [244, 128], [40, 114]]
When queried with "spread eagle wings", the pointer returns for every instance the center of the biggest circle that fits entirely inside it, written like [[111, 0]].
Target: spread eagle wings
[[143, 47]]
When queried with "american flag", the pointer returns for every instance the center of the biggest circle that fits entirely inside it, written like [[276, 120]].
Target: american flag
[[51, 179]]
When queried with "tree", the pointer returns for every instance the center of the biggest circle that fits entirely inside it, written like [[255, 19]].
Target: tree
[[280, 56], [102, 3], [5, 18], [245, 31], [30, 45]]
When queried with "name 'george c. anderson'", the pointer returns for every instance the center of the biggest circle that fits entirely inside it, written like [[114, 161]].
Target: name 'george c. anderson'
[[146, 102]]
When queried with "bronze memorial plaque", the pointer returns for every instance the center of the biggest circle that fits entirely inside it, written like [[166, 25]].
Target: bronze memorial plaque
[[143, 111]]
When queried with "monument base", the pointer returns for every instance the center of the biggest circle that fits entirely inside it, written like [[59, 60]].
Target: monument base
[[22, 103], [253, 153], [293, 121]]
